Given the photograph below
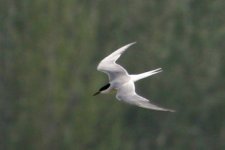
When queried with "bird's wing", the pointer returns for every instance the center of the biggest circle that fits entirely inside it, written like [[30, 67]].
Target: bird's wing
[[108, 64], [127, 94]]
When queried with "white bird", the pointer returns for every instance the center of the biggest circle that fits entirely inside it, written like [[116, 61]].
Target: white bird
[[123, 83]]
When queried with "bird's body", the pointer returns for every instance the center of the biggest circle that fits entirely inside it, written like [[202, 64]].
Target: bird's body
[[123, 83]]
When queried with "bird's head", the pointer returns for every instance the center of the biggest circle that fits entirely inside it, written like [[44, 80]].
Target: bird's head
[[104, 89]]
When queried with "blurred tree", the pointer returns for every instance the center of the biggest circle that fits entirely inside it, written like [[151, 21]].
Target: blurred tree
[[49, 51]]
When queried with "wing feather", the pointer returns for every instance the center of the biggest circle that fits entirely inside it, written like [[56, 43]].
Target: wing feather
[[128, 95], [144, 103], [108, 64]]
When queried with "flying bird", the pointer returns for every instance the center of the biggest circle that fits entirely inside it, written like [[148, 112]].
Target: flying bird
[[123, 83]]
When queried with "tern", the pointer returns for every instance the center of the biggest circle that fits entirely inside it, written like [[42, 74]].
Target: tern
[[123, 83]]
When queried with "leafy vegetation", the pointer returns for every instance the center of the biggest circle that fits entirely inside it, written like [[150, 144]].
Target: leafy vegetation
[[49, 51]]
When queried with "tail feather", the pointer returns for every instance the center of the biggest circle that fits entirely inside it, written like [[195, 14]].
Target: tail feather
[[137, 77]]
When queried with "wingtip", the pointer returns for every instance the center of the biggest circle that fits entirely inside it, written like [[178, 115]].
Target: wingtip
[[127, 46], [158, 70], [166, 110], [133, 43], [170, 110]]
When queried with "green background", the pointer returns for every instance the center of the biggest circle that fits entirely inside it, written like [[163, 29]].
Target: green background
[[49, 50]]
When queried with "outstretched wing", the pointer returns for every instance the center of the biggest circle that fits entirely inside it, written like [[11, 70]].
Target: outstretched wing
[[127, 94], [143, 102], [108, 64]]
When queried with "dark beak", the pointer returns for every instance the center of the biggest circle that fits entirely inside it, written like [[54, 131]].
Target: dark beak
[[96, 93]]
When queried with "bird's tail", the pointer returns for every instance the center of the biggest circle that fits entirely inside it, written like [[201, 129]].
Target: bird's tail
[[137, 77]]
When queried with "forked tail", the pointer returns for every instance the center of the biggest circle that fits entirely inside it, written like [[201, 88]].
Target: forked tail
[[137, 77]]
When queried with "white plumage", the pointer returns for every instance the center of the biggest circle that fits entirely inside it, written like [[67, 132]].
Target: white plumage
[[123, 82]]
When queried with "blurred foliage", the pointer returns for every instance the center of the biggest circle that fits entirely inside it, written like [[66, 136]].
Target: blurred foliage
[[49, 51]]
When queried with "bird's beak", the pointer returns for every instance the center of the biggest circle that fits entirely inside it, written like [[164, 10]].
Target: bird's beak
[[96, 93]]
